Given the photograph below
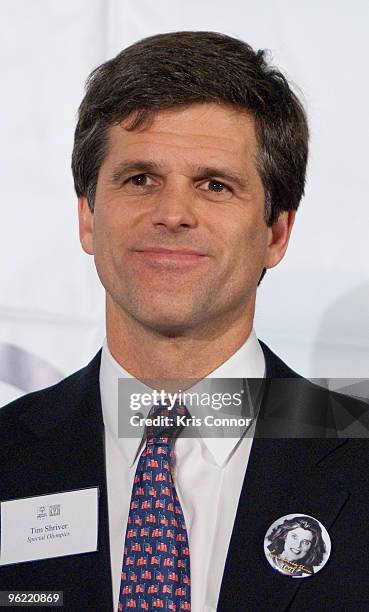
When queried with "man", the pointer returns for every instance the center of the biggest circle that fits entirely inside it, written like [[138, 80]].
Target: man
[[189, 165]]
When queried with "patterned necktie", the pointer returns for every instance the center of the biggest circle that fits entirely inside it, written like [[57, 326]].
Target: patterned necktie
[[156, 562]]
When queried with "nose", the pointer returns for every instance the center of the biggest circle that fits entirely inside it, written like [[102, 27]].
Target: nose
[[174, 207]]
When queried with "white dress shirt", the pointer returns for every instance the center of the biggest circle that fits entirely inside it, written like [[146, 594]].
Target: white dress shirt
[[208, 479]]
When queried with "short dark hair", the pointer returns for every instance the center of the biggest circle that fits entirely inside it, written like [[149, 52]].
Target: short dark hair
[[178, 69]]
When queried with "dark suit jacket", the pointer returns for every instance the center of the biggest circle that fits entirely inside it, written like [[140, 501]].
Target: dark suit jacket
[[53, 440]]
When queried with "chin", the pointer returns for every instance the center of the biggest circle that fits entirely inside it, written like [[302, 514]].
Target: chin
[[166, 318], [169, 328]]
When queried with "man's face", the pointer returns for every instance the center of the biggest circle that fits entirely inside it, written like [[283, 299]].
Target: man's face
[[178, 231]]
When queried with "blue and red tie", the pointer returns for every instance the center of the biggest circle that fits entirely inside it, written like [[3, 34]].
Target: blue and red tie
[[156, 561]]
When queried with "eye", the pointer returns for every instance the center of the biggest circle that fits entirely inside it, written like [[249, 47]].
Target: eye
[[139, 180], [215, 190], [139, 184], [215, 186]]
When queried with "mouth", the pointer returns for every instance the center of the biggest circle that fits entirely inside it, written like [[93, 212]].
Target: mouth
[[295, 551], [172, 260]]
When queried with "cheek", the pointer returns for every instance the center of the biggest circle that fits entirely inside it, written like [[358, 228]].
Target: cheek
[[109, 226], [290, 540], [248, 240], [107, 250]]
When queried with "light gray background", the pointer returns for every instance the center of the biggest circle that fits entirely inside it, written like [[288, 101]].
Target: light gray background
[[312, 309]]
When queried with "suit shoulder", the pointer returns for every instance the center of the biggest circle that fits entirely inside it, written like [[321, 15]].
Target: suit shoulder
[[342, 415], [69, 387]]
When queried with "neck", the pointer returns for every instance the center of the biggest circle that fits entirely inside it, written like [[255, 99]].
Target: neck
[[146, 353]]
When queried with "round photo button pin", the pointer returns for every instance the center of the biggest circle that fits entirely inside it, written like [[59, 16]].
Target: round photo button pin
[[297, 545]]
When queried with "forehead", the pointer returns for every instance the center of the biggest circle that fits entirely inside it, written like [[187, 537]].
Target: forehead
[[210, 131], [302, 533]]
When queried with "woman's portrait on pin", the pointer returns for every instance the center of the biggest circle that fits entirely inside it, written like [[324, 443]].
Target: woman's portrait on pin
[[297, 545]]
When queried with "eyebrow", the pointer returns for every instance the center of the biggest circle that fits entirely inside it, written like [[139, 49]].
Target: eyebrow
[[124, 168], [201, 172]]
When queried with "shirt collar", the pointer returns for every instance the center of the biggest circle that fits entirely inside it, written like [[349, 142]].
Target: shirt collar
[[247, 362]]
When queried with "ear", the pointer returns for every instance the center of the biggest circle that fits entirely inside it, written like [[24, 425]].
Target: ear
[[86, 225], [278, 238]]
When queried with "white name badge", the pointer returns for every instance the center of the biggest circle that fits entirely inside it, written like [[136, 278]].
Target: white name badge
[[49, 526]]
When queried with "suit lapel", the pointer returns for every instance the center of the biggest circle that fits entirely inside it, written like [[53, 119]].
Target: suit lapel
[[285, 475], [65, 436]]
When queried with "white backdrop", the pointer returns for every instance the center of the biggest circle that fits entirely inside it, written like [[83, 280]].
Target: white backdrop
[[312, 309]]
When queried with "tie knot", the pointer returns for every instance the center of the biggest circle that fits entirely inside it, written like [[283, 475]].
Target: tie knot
[[168, 420]]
